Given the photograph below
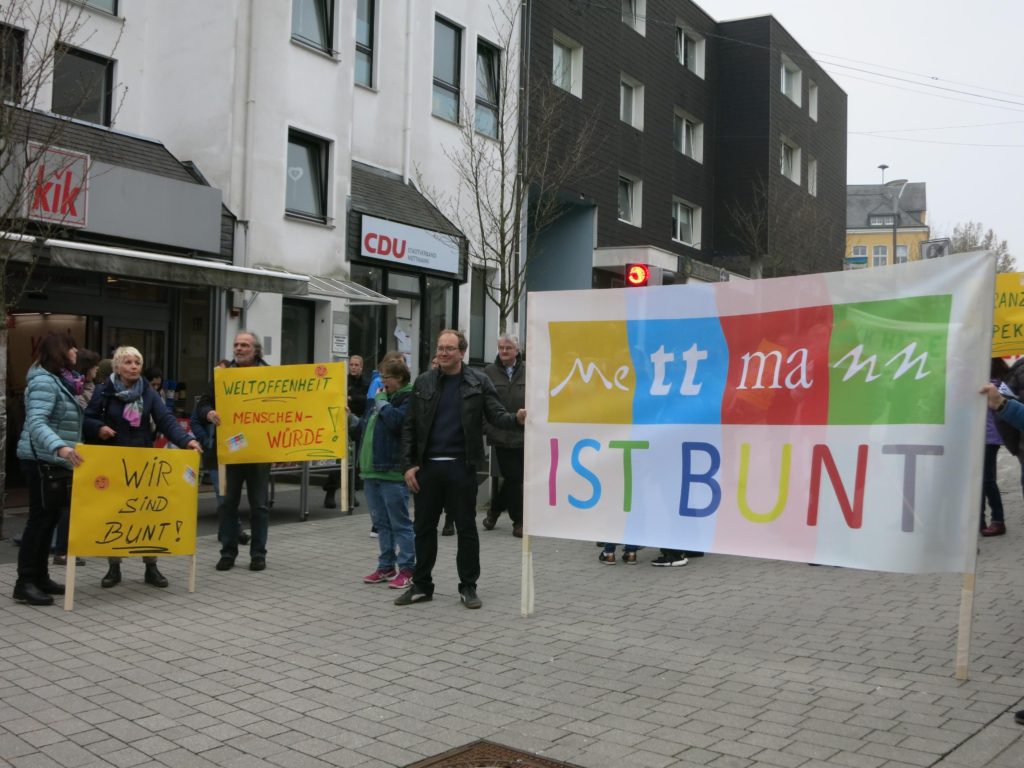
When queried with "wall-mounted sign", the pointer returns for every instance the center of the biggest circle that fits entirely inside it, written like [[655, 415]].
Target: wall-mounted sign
[[412, 246], [56, 185]]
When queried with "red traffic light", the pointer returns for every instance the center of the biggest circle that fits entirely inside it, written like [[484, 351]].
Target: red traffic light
[[637, 275]]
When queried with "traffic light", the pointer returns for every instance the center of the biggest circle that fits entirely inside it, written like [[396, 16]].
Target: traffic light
[[637, 275]]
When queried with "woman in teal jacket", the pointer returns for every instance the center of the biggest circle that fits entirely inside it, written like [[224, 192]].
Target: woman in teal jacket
[[53, 427]]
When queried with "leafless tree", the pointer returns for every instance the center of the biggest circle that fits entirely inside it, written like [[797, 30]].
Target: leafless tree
[[34, 34], [780, 230], [972, 236], [511, 164]]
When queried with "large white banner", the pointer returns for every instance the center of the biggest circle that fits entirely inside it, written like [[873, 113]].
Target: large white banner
[[829, 418]]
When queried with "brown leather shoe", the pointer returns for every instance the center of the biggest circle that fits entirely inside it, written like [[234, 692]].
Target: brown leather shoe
[[517, 531], [994, 529]]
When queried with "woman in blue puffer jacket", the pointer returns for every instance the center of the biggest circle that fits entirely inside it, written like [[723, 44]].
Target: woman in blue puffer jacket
[[53, 427]]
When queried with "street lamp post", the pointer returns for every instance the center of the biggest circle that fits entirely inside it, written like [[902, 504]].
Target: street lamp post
[[902, 184]]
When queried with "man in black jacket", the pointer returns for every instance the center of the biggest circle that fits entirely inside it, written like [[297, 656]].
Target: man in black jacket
[[508, 375], [256, 477], [442, 446]]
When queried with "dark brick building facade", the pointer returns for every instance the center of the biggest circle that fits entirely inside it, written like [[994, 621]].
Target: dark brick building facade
[[690, 112]]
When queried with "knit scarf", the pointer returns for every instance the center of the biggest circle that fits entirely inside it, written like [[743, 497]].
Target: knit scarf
[[72, 381], [131, 397]]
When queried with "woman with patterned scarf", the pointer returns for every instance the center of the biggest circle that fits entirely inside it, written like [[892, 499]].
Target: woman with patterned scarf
[[123, 411]]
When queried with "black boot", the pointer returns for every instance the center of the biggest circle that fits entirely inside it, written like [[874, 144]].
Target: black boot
[[27, 592], [449, 526], [329, 502], [154, 577], [113, 576]]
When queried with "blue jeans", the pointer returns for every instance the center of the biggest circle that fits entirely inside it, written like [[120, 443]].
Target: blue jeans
[[610, 548], [257, 489], [389, 510]]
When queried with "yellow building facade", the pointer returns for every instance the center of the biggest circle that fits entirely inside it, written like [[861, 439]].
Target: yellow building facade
[[879, 214]]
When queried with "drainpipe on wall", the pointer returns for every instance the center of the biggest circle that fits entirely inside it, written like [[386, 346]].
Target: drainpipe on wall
[[407, 117]]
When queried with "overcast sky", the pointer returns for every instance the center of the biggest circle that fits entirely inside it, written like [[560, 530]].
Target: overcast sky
[[934, 91]]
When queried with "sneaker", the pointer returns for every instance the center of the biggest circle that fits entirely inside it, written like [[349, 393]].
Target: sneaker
[[402, 580], [669, 561], [469, 598], [380, 575], [629, 557], [413, 595], [373, 532], [607, 557]]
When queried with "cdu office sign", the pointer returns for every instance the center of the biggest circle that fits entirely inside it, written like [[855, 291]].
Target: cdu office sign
[[56, 188]]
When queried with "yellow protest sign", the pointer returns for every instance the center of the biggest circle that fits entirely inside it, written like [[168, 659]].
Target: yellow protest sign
[[1008, 321], [280, 413], [127, 502]]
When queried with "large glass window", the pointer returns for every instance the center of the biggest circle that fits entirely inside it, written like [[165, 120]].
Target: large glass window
[[901, 254], [630, 191], [12, 51], [790, 160], [365, 21], [306, 180], [313, 23], [791, 80], [880, 255], [631, 101], [690, 50], [688, 136], [83, 85], [297, 327], [487, 85], [567, 64], [686, 223], [110, 6], [447, 67], [478, 332]]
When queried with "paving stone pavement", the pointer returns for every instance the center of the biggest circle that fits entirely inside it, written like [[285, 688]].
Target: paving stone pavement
[[728, 662]]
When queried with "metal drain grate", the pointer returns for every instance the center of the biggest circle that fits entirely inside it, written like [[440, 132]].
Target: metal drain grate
[[486, 754]]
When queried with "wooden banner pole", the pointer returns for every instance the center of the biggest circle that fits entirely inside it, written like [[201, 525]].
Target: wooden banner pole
[[69, 582], [526, 585], [963, 636]]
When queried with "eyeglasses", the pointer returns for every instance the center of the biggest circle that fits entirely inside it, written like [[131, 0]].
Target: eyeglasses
[[444, 350]]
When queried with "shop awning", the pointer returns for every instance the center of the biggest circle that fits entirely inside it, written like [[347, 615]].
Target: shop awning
[[357, 295], [142, 265]]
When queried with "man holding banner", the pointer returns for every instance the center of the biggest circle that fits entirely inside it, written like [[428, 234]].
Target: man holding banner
[[248, 352]]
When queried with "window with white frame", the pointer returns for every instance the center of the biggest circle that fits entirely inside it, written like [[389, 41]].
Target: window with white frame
[[790, 161], [365, 29], [488, 59], [83, 85], [631, 101], [634, 15], [880, 220], [792, 83], [688, 135], [690, 50], [860, 251], [901, 255], [306, 182], [447, 70], [630, 199], [12, 53], [686, 223], [313, 23], [812, 99], [567, 64], [812, 176], [880, 256]]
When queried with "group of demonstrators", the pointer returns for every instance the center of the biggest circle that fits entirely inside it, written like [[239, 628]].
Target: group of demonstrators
[[423, 437]]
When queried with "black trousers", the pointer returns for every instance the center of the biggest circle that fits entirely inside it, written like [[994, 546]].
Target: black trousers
[[446, 486], [510, 496]]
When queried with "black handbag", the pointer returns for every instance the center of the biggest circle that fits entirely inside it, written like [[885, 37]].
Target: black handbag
[[54, 482]]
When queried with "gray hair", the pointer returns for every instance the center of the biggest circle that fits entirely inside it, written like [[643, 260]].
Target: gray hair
[[257, 345], [509, 337]]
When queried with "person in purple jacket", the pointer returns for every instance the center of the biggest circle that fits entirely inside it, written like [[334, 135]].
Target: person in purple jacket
[[993, 442], [123, 411]]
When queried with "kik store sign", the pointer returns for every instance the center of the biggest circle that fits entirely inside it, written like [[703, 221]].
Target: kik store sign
[[412, 246], [56, 185]]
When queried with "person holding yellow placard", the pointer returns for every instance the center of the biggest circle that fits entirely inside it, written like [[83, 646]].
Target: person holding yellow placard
[[256, 476], [123, 411]]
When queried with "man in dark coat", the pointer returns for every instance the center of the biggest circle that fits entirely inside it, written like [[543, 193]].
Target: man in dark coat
[[508, 374]]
